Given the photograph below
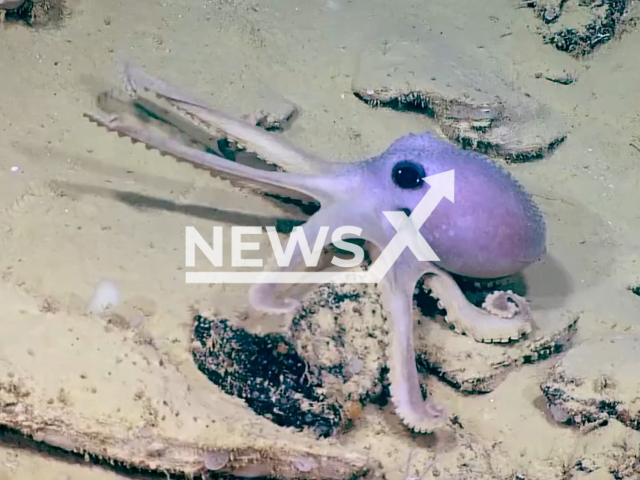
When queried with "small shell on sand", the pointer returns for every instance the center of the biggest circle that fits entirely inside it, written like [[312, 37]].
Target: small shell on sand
[[215, 461], [106, 296]]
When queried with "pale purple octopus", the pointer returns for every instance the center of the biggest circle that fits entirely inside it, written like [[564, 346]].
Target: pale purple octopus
[[493, 228]]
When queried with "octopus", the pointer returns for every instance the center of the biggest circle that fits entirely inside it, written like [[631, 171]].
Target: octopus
[[488, 228]]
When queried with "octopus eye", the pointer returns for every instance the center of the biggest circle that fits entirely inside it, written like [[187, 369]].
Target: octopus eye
[[408, 175]]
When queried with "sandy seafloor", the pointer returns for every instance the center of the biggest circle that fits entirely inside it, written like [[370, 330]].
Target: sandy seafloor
[[239, 53]]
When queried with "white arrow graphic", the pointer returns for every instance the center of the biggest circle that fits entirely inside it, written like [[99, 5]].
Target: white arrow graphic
[[408, 227]]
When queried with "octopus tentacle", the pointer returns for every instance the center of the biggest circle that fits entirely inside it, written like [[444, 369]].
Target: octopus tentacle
[[398, 286], [313, 186], [505, 304], [267, 145], [497, 323], [264, 297]]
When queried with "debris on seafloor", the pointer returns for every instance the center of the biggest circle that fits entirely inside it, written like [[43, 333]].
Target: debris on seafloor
[[36, 13], [474, 107], [606, 20], [326, 367], [595, 382], [116, 399], [564, 78], [331, 361]]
